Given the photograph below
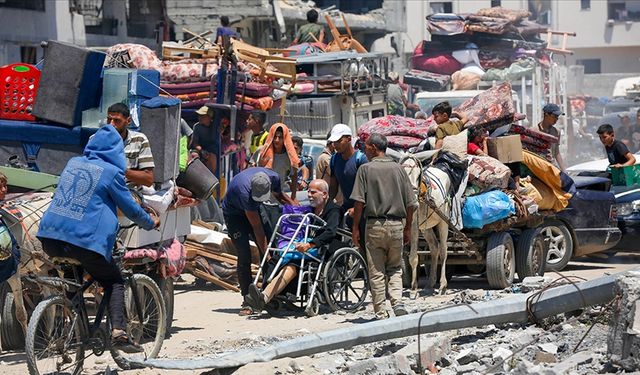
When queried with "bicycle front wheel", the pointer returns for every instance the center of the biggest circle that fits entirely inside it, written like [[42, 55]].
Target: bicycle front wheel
[[146, 320], [54, 339]]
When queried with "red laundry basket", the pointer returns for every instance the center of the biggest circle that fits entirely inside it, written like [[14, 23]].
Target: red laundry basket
[[18, 88]]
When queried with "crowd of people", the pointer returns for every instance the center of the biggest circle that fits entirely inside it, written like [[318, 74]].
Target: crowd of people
[[362, 189]]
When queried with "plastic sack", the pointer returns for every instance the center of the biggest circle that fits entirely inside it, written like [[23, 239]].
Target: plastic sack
[[454, 167], [464, 80], [486, 208], [468, 55]]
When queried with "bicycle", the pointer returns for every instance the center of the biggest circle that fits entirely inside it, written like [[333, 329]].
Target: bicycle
[[60, 330]]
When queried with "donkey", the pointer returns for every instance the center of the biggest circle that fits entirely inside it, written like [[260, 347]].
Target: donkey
[[425, 220]]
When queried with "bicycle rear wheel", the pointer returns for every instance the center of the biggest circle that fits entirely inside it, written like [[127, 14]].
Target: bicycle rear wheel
[[149, 331], [54, 339]]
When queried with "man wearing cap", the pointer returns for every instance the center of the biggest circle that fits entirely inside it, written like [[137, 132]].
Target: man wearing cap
[[241, 209], [396, 100], [205, 140], [551, 112], [384, 200], [343, 165]]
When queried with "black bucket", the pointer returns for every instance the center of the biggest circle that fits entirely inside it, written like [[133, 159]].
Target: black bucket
[[198, 179]]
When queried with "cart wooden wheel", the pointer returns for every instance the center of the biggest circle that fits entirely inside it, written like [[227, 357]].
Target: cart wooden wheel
[[501, 262], [530, 254]]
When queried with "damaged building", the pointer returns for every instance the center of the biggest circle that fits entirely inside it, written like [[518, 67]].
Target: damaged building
[[274, 23], [265, 23]]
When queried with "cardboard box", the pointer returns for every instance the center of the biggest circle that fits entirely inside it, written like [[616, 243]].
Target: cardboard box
[[507, 149]]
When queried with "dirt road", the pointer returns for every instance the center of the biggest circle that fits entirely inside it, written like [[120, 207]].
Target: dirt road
[[207, 322]]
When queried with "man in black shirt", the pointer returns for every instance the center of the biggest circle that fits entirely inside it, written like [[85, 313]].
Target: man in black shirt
[[617, 152], [325, 236]]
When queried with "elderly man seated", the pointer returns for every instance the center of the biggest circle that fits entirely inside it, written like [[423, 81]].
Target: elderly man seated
[[327, 211]]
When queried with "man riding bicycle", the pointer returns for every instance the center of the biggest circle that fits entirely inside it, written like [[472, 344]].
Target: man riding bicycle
[[81, 222]]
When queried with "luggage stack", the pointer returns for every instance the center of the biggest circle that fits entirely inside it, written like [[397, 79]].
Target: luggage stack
[[534, 141], [492, 44]]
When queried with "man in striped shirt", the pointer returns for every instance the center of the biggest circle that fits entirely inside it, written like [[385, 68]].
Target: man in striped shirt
[[136, 147]]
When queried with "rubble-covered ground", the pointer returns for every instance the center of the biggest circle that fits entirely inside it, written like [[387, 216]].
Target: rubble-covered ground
[[206, 324], [572, 344]]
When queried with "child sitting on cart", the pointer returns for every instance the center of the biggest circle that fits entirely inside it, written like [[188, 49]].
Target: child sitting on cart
[[304, 247]]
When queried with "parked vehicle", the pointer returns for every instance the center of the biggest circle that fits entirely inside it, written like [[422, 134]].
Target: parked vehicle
[[588, 225], [313, 148], [621, 105], [627, 203]]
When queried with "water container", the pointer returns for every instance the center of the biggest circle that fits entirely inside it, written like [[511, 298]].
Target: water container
[[198, 179]]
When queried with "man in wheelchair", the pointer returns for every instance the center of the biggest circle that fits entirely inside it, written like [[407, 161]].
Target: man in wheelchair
[[323, 237]]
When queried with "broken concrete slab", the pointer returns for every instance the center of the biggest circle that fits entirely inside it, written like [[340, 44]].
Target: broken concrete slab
[[466, 356], [388, 365], [572, 362], [623, 341], [549, 347], [544, 357], [502, 353], [432, 349], [467, 368]]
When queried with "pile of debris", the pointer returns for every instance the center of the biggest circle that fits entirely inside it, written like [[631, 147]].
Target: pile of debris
[[567, 337]]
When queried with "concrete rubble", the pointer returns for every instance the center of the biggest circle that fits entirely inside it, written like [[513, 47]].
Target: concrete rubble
[[554, 346]]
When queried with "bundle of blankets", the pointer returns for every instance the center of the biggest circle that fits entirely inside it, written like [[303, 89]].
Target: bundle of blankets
[[249, 95], [534, 141], [190, 79], [490, 110], [492, 44]]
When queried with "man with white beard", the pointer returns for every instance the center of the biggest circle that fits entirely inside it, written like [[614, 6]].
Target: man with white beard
[[325, 236]]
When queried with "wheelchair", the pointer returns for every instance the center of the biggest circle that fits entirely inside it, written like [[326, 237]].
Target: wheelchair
[[338, 279]]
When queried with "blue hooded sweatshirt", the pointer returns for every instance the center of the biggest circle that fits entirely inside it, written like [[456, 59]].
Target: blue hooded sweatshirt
[[83, 209]]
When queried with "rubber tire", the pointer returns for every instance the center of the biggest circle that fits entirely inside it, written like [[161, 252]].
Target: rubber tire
[[150, 286], [331, 264], [10, 330], [166, 287], [498, 245], [562, 263], [530, 254], [31, 332]]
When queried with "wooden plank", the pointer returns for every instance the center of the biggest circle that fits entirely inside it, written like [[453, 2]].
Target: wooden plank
[[213, 279]]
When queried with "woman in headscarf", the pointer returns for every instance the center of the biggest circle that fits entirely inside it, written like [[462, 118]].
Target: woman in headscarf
[[279, 155]]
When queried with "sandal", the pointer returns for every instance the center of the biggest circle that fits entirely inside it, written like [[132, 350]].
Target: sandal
[[246, 310]]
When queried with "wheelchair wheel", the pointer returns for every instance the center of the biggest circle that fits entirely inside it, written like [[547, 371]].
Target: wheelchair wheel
[[346, 280]]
